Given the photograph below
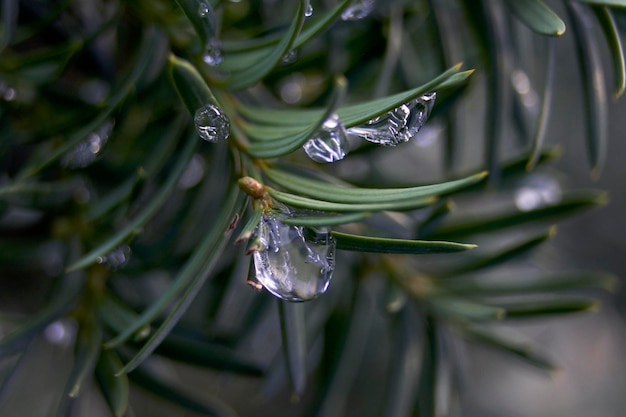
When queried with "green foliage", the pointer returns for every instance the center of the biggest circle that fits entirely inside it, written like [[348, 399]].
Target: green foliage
[[100, 158]]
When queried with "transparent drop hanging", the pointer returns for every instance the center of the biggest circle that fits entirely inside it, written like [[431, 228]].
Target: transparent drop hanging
[[308, 9], [329, 143], [211, 123], [293, 263], [398, 125]]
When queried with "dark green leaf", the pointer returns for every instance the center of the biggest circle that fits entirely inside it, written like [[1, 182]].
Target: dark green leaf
[[183, 279], [221, 231], [342, 194], [570, 203], [610, 3], [189, 84], [453, 308], [595, 106], [252, 73], [321, 220], [199, 353], [114, 387], [319, 205], [546, 307], [209, 405], [370, 244], [544, 114], [293, 333], [405, 366], [612, 35], [499, 255], [204, 23], [537, 16], [529, 284], [509, 343]]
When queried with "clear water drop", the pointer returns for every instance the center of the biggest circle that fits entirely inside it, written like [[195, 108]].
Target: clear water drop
[[203, 10], [117, 258], [329, 143], [308, 10], [358, 9], [87, 151], [290, 57], [213, 54], [212, 124], [293, 263], [398, 125]]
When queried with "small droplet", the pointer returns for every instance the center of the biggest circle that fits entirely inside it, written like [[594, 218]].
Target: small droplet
[[398, 125], [537, 191], [358, 9], [213, 55], [293, 263], [211, 123], [330, 143], [203, 10], [290, 57], [87, 151], [117, 258], [308, 10]]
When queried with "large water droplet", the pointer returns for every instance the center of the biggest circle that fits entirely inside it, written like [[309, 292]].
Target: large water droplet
[[87, 151], [358, 9], [213, 54], [293, 263], [398, 125], [308, 9], [117, 258], [203, 10], [330, 143], [211, 123]]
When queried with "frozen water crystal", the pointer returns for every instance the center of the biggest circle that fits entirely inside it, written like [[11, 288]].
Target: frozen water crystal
[[293, 263], [358, 9], [330, 143], [398, 125], [211, 123]]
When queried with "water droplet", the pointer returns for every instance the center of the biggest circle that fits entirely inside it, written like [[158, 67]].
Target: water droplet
[[87, 151], [537, 191], [308, 10], [213, 55], [329, 143], [203, 10], [358, 9], [290, 57], [117, 258], [211, 123], [293, 263], [398, 125]]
